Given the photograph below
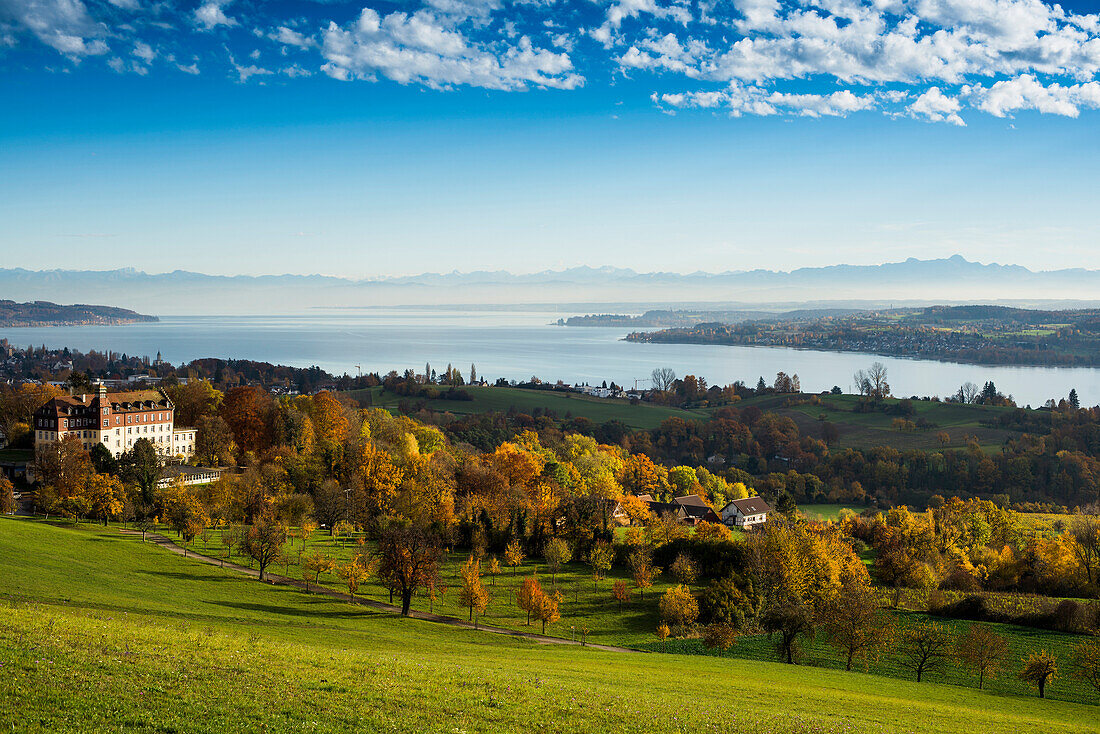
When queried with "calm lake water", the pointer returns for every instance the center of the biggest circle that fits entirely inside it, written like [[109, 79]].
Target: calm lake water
[[521, 344]]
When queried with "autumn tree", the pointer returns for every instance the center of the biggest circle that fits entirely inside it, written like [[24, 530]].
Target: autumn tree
[[314, 565], [193, 400], [493, 568], [719, 636], [184, 512], [1039, 669], [7, 496], [249, 412], [353, 573], [264, 541], [213, 441], [528, 595], [853, 623], [620, 592], [982, 650], [678, 607], [473, 595], [409, 557], [924, 647], [600, 558], [513, 554], [104, 496], [556, 553], [642, 570], [786, 623], [547, 609], [63, 465], [683, 569], [1086, 662]]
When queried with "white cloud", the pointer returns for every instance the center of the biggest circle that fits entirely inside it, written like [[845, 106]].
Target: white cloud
[[64, 25], [934, 105], [754, 100], [290, 37], [144, 52], [420, 48], [126, 4], [210, 15], [1028, 93]]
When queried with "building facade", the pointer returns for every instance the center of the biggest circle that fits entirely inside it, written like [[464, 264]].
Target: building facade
[[116, 420]]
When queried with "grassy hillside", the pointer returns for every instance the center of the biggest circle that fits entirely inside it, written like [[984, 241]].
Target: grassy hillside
[[866, 430], [856, 430], [502, 399], [102, 633]]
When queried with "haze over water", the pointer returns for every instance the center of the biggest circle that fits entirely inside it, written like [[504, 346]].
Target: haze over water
[[520, 345]]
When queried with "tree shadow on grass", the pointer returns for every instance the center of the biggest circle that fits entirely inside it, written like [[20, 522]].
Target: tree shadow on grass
[[299, 611], [184, 576]]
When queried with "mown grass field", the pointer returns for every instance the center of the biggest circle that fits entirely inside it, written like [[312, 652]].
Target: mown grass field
[[503, 399], [588, 604], [101, 633]]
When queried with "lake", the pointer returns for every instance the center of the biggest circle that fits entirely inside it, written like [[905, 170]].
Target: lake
[[517, 345]]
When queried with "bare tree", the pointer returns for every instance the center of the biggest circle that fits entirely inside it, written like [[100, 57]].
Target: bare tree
[[982, 650], [968, 393], [880, 388], [923, 648], [662, 378], [1085, 529]]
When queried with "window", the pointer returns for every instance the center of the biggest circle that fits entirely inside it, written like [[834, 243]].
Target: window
[[106, 423]]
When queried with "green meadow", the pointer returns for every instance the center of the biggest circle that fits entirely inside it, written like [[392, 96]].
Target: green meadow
[[504, 399], [100, 632]]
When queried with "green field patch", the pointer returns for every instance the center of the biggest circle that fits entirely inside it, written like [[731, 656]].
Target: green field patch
[[102, 633]]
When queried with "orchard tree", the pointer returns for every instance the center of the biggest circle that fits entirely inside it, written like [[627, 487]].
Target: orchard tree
[[557, 553], [924, 647], [1086, 662], [473, 595], [513, 554], [314, 565], [409, 557], [104, 494], [547, 609], [678, 607], [853, 623], [642, 570], [620, 592], [528, 596], [1039, 669], [264, 541], [600, 558], [786, 623], [982, 650], [353, 573]]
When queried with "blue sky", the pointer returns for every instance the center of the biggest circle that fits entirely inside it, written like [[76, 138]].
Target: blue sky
[[394, 138]]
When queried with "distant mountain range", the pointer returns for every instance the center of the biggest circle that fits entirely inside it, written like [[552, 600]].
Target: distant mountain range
[[912, 282], [44, 313]]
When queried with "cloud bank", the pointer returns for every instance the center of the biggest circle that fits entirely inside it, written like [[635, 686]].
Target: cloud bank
[[938, 61]]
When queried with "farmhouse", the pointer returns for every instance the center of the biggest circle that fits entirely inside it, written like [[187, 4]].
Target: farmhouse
[[116, 420], [688, 510], [746, 513]]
